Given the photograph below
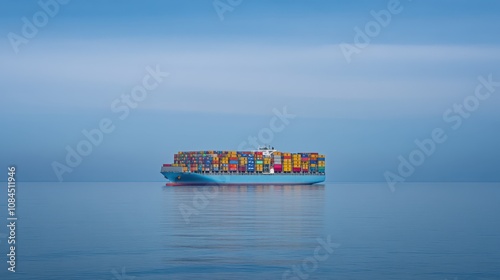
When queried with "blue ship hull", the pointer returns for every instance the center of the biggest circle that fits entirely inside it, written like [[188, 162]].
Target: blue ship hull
[[187, 178]]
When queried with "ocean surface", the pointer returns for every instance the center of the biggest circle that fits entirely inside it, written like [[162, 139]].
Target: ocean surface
[[329, 231]]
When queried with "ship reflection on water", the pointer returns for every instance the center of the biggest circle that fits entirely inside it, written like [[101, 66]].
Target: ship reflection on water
[[288, 211]]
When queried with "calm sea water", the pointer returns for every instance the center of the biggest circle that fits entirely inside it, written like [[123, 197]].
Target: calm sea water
[[330, 231]]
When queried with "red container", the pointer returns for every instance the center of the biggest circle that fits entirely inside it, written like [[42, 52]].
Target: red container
[[278, 166], [167, 164], [242, 169], [278, 170], [296, 169]]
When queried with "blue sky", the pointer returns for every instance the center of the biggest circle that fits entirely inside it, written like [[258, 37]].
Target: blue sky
[[227, 76]]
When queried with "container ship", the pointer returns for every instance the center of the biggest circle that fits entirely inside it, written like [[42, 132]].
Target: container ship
[[263, 166]]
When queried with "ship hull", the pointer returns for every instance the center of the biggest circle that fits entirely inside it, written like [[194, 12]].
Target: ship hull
[[187, 178]]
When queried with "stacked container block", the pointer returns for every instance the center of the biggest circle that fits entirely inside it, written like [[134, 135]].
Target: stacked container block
[[305, 162], [278, 164], [287, 162], [321, 163], [296, 163]]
